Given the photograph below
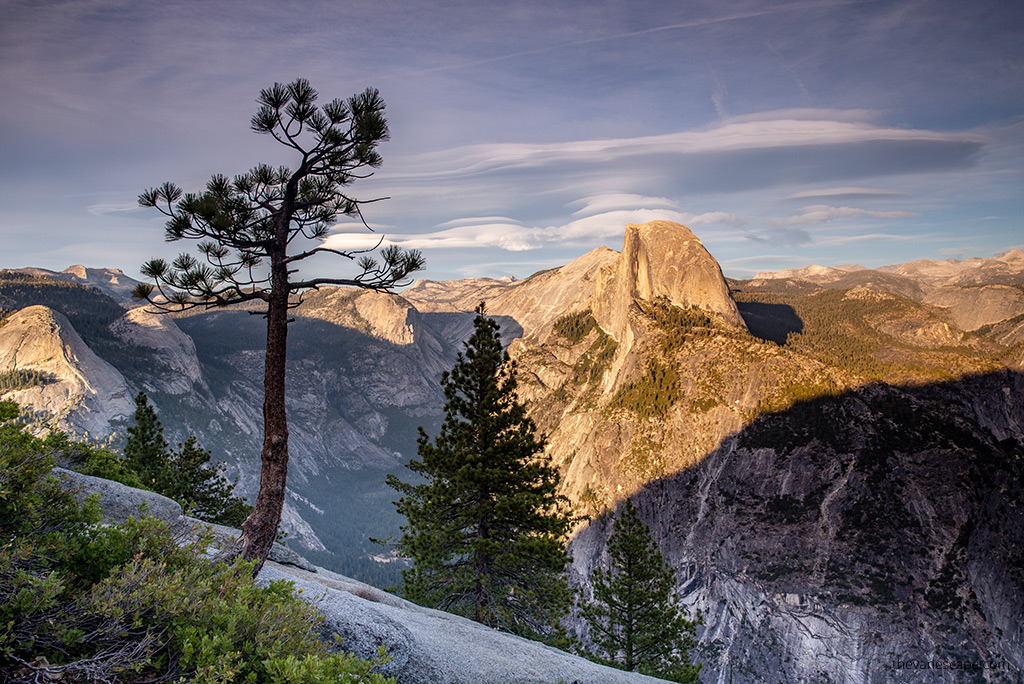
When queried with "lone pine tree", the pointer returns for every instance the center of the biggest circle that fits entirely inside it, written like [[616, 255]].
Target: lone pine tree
[[253, 232], [485, 531], [634, 620]]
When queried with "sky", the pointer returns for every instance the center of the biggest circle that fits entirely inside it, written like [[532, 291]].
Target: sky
[[526, 133]]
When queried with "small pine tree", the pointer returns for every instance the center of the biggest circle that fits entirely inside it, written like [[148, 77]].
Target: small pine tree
[[145, 452], [185, 475], [485, 532], [202, 488], [635, 620]]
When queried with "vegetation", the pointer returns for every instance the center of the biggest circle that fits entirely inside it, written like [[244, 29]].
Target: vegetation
[[652, 394], [634, 620], [20, 378], [485, 531], [575, 326], [679, 325], [251, 232], [184, 475], [126, 603]]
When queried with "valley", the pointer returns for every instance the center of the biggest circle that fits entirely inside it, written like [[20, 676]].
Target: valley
[[832, 458]]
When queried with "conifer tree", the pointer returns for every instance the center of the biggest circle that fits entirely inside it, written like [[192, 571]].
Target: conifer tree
[[255, 229], [185, 475], [145, 452], [485, 531], [635, 620]]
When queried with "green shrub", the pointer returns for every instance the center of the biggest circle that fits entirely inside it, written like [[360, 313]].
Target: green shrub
[[80, 601]]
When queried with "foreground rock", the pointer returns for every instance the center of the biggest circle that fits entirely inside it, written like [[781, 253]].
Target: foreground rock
[[425, 646]]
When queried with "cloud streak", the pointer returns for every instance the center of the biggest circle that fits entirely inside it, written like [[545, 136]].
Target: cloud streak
[[820, 213]]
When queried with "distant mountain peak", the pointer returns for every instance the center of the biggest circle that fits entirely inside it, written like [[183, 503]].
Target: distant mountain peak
[[661, 259]]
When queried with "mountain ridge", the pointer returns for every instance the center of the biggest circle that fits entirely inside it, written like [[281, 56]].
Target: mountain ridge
[[621, 413]]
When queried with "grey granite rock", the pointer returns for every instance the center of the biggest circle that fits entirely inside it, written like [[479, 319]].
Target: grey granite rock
[[432, 647]]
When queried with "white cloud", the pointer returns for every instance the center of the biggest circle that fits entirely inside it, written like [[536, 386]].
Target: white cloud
[[820, 213], [844, 192], [618, 201], [107, 208]]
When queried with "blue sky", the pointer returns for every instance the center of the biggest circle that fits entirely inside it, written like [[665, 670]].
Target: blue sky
[[526, 133]]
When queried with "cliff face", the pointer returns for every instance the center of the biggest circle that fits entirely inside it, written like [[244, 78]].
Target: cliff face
[[828, 541], [661, 259]]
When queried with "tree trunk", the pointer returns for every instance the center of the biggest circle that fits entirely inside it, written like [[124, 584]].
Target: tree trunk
[[260, 529]]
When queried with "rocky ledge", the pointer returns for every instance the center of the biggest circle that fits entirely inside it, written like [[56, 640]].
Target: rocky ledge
[[424, 645]]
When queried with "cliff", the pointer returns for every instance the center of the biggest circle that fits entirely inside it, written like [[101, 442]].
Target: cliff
[[661, 259]]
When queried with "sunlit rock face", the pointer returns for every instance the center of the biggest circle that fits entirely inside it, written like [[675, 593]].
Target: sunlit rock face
[[661, 259], [85, 393]]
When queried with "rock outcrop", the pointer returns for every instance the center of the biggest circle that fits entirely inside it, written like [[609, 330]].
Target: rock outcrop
[[424, 646], [661, 259], [84, 393], [174, 350]]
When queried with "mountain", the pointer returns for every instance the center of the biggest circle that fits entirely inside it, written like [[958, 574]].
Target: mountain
[[110, 281], [833, 539], [79, 386], [829, 457]]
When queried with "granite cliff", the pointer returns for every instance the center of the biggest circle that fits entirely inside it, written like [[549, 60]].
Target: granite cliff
[[829, 456]]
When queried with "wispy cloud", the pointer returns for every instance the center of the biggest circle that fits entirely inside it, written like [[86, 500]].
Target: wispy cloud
[[844, 192], [820, 213], [735, 152], [513, 237]]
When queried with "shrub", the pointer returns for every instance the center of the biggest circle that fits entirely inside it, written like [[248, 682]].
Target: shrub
[[122, 603]]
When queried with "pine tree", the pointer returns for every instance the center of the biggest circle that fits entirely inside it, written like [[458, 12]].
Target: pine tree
[[255, 229], [145, 452], [635, 620], [202, 488], [185, 475], [485, 532]]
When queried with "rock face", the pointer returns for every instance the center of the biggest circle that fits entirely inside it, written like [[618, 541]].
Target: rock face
[[661, 259], [974, 307], [175, 350], [830, 541], [523, 308], [86, 393]]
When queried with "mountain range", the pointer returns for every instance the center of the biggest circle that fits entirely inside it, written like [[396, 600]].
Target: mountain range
[[831, 458]]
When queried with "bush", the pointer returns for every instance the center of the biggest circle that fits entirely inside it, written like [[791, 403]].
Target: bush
[[80, 601]]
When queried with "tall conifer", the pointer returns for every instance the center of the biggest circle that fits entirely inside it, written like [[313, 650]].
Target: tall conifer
[[635, 620], [485, 531]]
